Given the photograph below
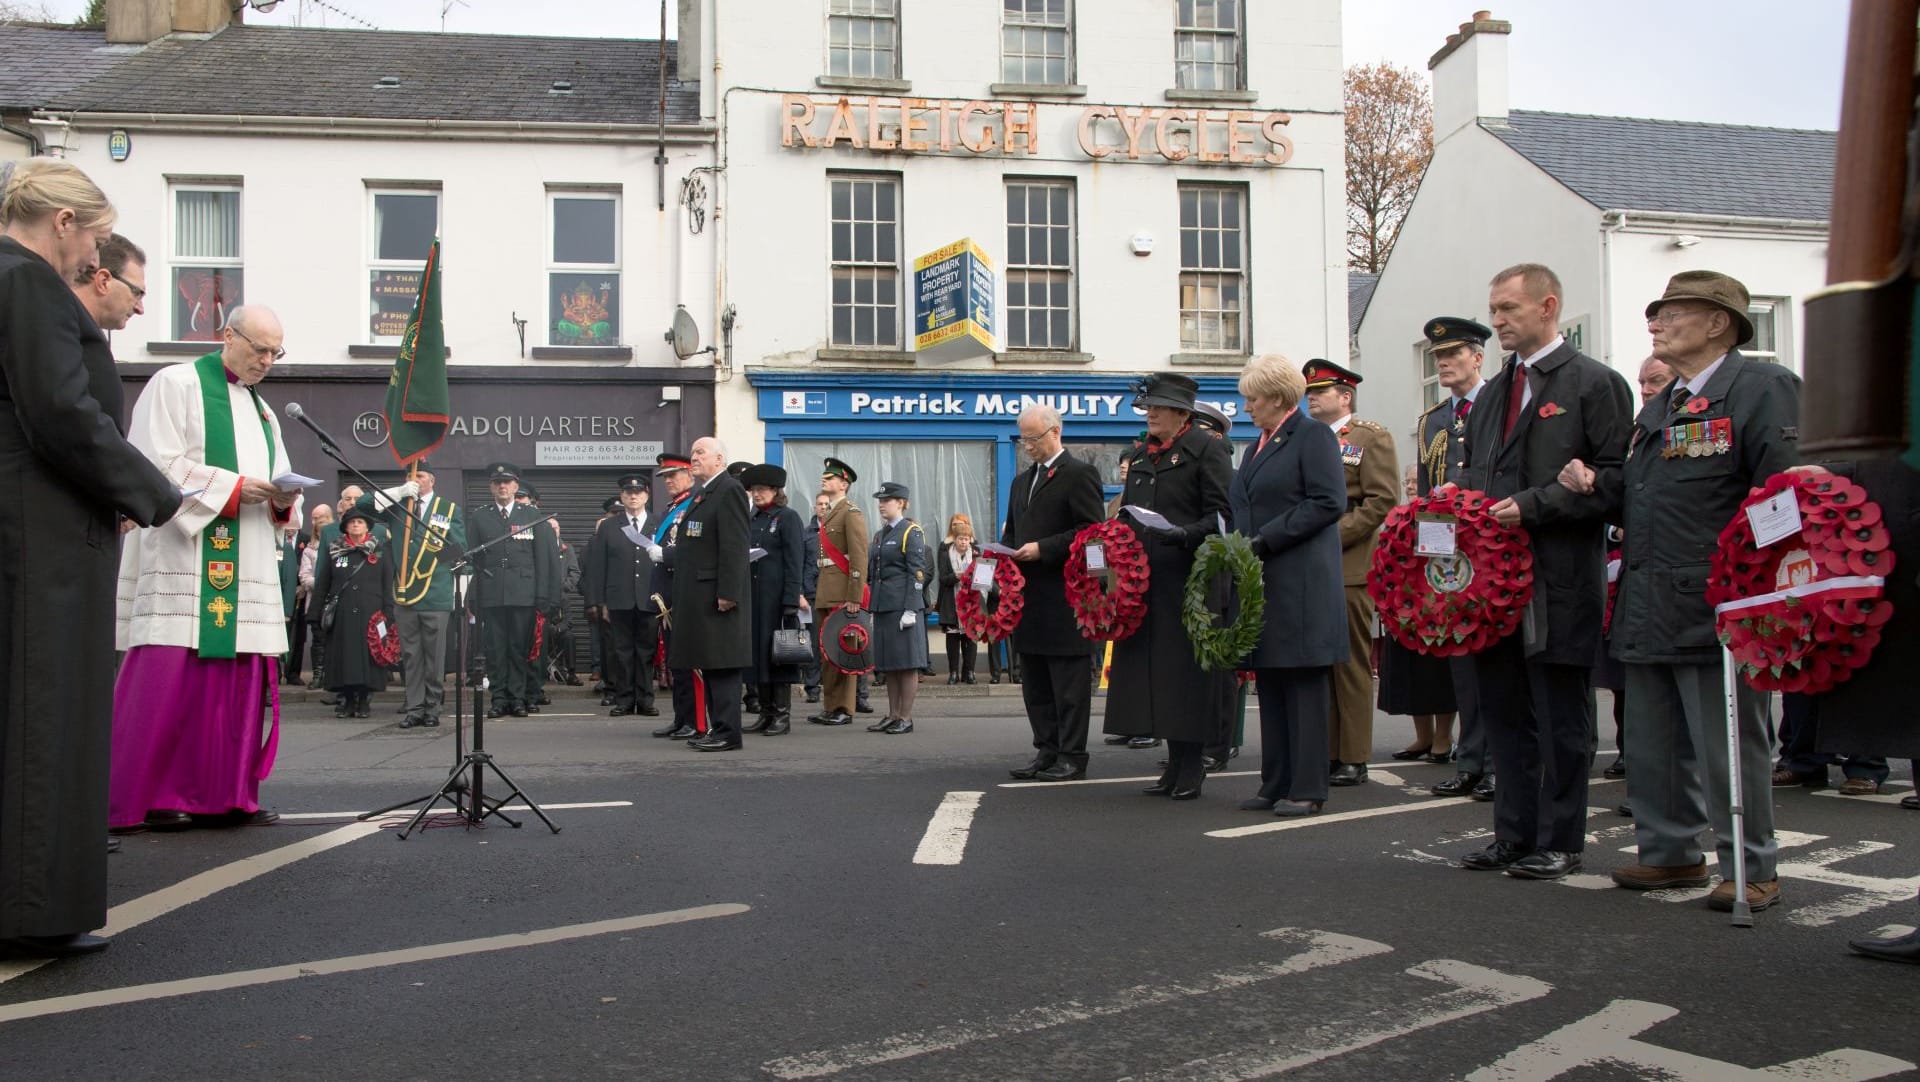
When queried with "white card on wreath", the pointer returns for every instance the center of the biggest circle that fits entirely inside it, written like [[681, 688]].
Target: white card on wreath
[[1775, 518]]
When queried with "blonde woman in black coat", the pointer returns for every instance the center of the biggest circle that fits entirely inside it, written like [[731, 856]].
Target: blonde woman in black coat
[[955, 555]]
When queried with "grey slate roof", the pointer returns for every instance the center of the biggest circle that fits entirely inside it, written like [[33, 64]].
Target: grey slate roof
[[38, 64], [295, 71], [1359, 294], [1681, 167]]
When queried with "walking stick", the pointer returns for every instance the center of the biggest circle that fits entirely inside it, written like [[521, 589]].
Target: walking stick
[[1730, 685]]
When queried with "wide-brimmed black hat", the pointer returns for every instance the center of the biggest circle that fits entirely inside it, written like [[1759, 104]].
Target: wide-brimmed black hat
[[893, 490], [502, 471], [632, 479], [846, 641], [833, 467], [1321, 372], [1711, 287], [1444, 331], [356, 512], [1170, 389], [764, 475]]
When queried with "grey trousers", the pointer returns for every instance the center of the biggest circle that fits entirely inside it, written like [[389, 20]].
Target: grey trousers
[[423, 650], [1470, 739], [1677, 767]]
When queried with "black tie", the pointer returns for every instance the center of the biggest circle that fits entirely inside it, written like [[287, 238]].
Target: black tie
[[1677, 400]]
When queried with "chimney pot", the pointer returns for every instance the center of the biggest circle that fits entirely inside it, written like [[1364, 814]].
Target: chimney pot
[[1482, 16]]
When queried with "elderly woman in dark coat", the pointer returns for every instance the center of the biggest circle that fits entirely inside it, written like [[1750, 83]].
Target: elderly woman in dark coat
[[1288, 495], [356, 578], [1156, 688], [775, 529]]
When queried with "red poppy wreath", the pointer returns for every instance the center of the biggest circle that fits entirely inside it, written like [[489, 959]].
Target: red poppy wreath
[[1804, 612], [383, 649], [1103, 614], [1449, 606], [970, 604]]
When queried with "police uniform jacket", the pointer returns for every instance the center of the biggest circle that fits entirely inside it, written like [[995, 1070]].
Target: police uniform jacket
[[1674, 505], [1290, 495], [420, 550], [776, 586], [520, 572], [1590, 413], [1049, 506], [619, 574], [1155, 684], [710, 565], [1372, 472], [898, 567], [846, 528]]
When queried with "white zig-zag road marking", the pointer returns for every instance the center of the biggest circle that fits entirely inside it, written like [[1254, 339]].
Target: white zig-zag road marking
[[1610, 1037], [408, 813], [1084, 782], [945, 841], [1316, 950]]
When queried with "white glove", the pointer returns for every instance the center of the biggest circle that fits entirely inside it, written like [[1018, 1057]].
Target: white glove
[[654, 552], [404, 491], [908, 619]]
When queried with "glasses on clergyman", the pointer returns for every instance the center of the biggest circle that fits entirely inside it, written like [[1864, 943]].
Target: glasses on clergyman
[[263, 351], [138, 293]]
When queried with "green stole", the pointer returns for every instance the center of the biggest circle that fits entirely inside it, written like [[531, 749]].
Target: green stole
[[220, 541]]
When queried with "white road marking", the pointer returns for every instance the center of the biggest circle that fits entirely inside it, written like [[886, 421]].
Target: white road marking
[[1475, 990], [1316, 950], [1609, 1037], [408, 813], [1865, 892], [113, 997], [194, 888], [1888, 794], [945, 841], [1148, 778], [1337, 817]]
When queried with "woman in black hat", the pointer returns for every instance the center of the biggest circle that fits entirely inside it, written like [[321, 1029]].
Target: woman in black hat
[[897, 570], [1156, 688], [775, 529], [356, 582]]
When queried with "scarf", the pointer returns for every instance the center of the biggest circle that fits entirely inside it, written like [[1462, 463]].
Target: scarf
[[220, 541]]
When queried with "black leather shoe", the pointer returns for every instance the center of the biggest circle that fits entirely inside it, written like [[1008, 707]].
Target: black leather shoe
[[900, 727], [409, 722], [1061, 772], [1615, 769], [1211, 765], [1905, 948], [1348, 774], [430, 722], [835, 718], [953, 678], [533, 708], [1495, 857], [1030, 771], [777, 727], [1255, 803], [1545, 864], [666, 731], [758, 724], [1293, 809], [543, 700], [1141, 743], [496, 712], [1438, 758], [1623, 809], [1408, 755], [813, 696], [1117, 738], [1192, 793], [1460, 784], [165, 821], [862, 708], [994, 678], [53, 946], [1483, 792], [606, 700], [967, 678], [881, 726], [713, 744], [521, 711], [1158, 788], [648, 710], [618, 712]]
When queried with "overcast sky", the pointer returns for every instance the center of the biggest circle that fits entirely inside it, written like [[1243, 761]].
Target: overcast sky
[[1773, 63]]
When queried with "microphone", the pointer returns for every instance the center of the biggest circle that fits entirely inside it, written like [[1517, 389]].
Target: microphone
[[294, 412]]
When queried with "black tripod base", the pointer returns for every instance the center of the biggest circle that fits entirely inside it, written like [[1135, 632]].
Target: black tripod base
[[470, 800]]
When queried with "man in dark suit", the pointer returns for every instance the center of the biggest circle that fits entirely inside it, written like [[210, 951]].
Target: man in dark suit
[[619, 587], [518, 577], [712, 585], [1549, 404], [1047, 505], [1726, 425]]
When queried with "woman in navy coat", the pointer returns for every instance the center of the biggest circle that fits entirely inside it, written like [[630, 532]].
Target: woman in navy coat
[[1287, 497]]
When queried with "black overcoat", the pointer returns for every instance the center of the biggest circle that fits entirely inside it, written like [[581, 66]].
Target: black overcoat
[[1155, 686], [1872, 713], [710, 565], [1291, 494], [1673, 508], [1066, 502], [776, 587], [618, 574], [1580, 409], [66, 472], [945, 605], [364, 588]]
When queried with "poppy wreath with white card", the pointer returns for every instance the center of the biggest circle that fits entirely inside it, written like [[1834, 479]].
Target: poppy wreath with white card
[[970, 604], [1450, 605], [1805, 611], [1102, 614]]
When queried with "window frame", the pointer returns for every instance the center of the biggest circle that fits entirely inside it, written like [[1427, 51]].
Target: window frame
[[374, 264], [177, 262], [1430, 389], [1183, 69], [890, 20], [1244, 272], [1027, 24], [1776, 312], [554, 266], [1071, 267], [902, 308]]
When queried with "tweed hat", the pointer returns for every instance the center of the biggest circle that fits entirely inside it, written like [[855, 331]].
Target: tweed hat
[[1712, 287]]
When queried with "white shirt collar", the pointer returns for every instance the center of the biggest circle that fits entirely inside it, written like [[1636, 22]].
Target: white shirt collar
[[1341, 423], [1048, 464], [1544, 351], [1699, 381], [1471, 394]]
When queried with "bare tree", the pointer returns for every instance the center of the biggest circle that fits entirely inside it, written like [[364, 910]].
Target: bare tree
[[18, 11], [1389, 142]]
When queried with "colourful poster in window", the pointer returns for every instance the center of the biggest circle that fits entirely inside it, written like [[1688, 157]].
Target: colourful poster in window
[[393, 293], [585, 309], [202, 297]]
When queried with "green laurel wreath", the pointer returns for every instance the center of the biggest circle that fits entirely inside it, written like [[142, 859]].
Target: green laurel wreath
[[1216, 647]]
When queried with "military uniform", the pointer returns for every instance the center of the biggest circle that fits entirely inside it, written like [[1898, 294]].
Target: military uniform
[[423, 596], [517, 578], [898, 566], [1373, 488], [688, 717], [843, 530], [619, 588]]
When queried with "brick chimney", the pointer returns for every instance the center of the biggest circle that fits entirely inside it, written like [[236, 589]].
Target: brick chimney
[[138, 22], [1470, 75]]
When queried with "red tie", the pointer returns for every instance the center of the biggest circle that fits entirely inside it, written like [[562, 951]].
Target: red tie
[[1516, 390]]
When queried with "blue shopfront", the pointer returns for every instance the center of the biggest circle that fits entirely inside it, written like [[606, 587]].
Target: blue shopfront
[[948, 436]]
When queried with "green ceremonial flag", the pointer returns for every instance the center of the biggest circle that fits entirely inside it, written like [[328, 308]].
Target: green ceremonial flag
[[417, 408]]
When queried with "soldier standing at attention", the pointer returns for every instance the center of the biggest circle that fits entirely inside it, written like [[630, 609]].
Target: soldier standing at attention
[[518, 577]]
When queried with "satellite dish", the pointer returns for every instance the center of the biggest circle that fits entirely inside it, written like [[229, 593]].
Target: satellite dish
[[685, 335]]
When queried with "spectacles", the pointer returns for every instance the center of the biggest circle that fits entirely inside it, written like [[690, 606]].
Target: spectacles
[[1041, 435], [138, 293], [1667, 317], [263, 351]]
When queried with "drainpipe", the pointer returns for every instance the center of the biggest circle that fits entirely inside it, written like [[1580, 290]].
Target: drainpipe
[[1610, 223], [35, 147]]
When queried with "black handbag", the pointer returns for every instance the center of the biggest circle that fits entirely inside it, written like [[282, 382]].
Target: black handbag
[[326, 613], [791, 646]]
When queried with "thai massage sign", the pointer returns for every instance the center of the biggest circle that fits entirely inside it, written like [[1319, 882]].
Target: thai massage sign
[[1018, 128]]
